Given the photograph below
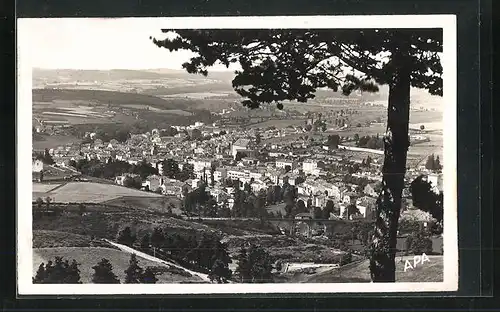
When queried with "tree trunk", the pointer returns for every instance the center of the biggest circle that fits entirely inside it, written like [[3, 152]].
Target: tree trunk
[[396, 143]]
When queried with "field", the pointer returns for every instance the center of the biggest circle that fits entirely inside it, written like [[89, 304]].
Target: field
[[90, 192], [43, 187], [158, 110], [431, 271], [53, 141], [98, 97], [76, 107], [90, 256], [199, 95], [278, 123]]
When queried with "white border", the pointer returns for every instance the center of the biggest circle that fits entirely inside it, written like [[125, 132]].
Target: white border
[[450, 241]]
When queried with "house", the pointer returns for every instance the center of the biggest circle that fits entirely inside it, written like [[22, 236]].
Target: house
[[344, 206], [366, 206], [237, 174], [257, 186], [120, 179], [329, 189], [283, 163], [219, 195], [309, 166], [199, 165], [152, 182], [241, 145], [37, 165], [172, 187], [195, 183], [320, 200], [303, 216], [371, 190], [436, 181], [249, 161], [273, 175], [220, 174]]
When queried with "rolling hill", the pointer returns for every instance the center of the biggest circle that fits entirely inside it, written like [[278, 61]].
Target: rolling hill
[[358, 272], [102, 97]]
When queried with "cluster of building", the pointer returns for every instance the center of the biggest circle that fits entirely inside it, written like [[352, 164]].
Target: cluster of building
[[239, 155]]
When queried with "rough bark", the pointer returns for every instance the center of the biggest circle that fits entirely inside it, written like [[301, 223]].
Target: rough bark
[[396, 143]]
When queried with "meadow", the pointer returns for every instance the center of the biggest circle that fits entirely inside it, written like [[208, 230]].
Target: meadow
[[278, 123], [197, 95], [160, 204], [42, 142], [89, 192], [87, 257], [98, 97], [50, 239], [97, 107]]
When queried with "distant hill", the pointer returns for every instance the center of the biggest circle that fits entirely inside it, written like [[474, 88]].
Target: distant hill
[[165, 82], [103, 97], [65, 75]]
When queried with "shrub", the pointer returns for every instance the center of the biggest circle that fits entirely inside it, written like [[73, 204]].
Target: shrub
[[419, 243]]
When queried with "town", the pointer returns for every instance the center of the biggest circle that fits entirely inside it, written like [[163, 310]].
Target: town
[[335, 177]]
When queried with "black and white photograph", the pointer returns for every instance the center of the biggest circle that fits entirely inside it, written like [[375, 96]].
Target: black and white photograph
[[237, 155]]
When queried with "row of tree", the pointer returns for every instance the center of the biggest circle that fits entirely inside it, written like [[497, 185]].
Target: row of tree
[[62, 271], [45, 157], [372, 142], [433, 163], [171, 170], [112, 168]]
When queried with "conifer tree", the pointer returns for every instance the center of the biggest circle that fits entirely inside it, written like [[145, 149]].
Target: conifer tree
[[58, 272], [291, 64], [73, 273], [126, 237], [145, 241], [157, 238], [430, 164], [133, 274], [437, 164], [103, 273]]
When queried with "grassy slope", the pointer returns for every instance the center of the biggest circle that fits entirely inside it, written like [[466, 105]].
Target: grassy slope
[[107, 225], [155, 203], [94, 192], [88, 257], [46, 239], [431, 271], [53, 141]]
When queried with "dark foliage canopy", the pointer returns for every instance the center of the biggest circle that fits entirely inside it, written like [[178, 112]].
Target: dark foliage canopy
[[319, 58], [59, 271], [103, 273], [133, 274], [425, 199]]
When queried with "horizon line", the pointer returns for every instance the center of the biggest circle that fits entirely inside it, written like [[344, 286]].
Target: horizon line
[[133, 69]]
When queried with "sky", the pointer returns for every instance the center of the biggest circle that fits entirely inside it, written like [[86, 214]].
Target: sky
[[109, 43], [99, 44]]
